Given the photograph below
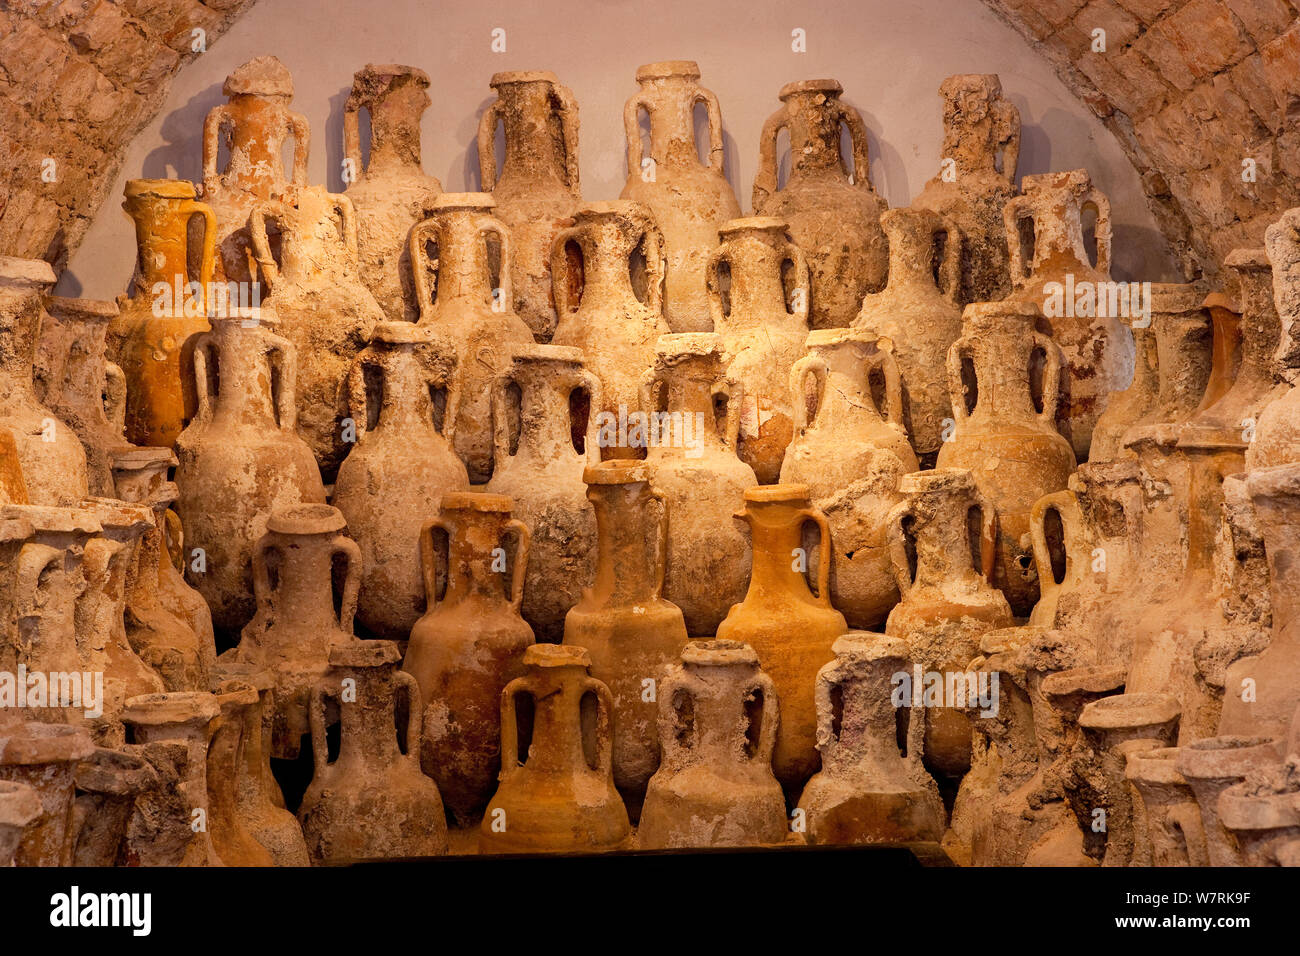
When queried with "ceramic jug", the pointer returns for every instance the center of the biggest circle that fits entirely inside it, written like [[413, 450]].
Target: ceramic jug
[[718, 719], [372, 801], [20, 806], [833, 214], [557, 791], [44, 757], [402, 462], [231, 838], [389, 188], [152, 337], [763, 327], [536, 190], [920, 317], [240, 458], [1010, 446], [470, 642], [108, 783], [977, 178], [689, 199], [790, 627], [461, 297], [1277, 434], [629, 631]]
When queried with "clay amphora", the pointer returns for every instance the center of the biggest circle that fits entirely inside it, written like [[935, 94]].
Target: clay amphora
[[629, 631], [689, 199], [253, 125], [763, 327], [977, 178], [152, 336], [13, 489], [402, 463], [20, 806], [390, 190], [557, 790], [1210, 767], [259, 802], [372, 802], [599, 307], [541, 469], [240, 458], [44, 757], [718, 719], [851, 453], [168, 622], [536, 190], [920, 317], [1277, 433], [791, 628], [1171, 368], [81, 387], [1262, 816], [1167, 823], [694, 465], [108, 782], [325, 310], [470, 642], [948, 599], [833, 215], [458, 297], [1097, 346], [1013, 450], [51, 457], [872, 787], [295, 625], [174, 732], [231, 838]]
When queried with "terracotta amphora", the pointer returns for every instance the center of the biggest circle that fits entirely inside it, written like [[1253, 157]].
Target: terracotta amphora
[[470, 642], [79, 385], [16, 532], [1270, 677], [20, 806], [107, 783], [851, 452], [1210, 767], [948, 598], [718, 716], [557, 791], [540, 466], [240, 458], [920, 316], [976, 179], [1056, 275], [602, 312], [1277, 433], [401, 464], [50, 455], [259, 802], [44, 757], [296, 623], [460, 296], [389, 189], [1261, 814], [13, 488], [173, 732], [1011, 447], [789, 626], [1171, 367], [231, 838], [629, 631], [324, 309], [763, 327], [372, 801], [833, 214], [168, 622], [694, 465], [1167, 827], [688, 198], [152, 337], [536, 190], [253, 126], [872, 787]]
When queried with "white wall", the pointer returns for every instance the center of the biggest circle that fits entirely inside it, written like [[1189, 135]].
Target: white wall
[[890, 57]]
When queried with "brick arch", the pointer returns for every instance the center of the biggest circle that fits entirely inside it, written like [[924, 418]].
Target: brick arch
[[1189, 88]]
